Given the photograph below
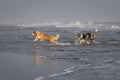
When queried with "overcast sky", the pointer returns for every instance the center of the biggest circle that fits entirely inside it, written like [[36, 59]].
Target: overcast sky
[[31, 11]]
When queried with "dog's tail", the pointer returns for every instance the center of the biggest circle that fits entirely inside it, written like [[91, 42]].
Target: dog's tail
[[57, 36], [96, 30]]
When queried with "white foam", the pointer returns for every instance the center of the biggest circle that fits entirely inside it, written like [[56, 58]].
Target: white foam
[[42, 57], [112, 42], [61, 43], [77, 24], [66, 71], [63, 73], [115, 27], [40, 24], [60, 24], [71, 24], [97, 42], [39, 78], [70, 68], [53, 75]]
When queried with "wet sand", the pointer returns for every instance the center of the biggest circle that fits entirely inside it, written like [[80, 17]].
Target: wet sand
[[21, 59], [28, 67]]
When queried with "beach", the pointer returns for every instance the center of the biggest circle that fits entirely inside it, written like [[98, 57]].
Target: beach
[[23, 59]]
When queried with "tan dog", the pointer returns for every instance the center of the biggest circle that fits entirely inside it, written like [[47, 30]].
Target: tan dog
[[45, 37]]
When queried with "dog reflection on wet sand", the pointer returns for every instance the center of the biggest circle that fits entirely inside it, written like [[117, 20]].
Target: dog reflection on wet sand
[[37, 59]]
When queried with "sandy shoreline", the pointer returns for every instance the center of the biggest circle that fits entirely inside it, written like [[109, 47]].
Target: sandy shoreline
[[20, 59], [25, 67]]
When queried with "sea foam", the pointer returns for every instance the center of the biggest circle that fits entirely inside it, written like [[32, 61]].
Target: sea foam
[[66, 71], [77, 24]]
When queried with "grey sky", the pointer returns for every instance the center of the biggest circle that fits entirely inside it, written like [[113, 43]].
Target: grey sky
[[30, 11]]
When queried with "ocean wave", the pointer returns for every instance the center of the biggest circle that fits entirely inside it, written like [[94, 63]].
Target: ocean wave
[[115, 27], [62, 25], [77, 24]]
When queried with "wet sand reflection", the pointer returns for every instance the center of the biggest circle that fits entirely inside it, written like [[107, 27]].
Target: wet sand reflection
[[37, 59]]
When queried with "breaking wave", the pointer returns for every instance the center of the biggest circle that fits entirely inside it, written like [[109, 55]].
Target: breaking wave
[[76, 24], [115, 27]]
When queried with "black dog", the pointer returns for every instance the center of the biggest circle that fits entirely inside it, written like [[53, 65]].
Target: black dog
[[87, 37]]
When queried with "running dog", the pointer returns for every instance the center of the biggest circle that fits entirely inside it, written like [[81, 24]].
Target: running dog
[[42, 36], [87, 37]]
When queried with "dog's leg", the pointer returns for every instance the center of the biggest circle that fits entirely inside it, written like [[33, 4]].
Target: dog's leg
[[81, 41], [88, 42], [36, 39], [42, 40], [55, 43]]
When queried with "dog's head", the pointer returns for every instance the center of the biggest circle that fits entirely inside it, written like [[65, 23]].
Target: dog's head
[[36, 33], [79, 36], [58, 36], [92, 35]]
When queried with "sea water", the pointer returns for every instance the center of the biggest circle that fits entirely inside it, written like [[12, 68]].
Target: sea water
[[23, 59]]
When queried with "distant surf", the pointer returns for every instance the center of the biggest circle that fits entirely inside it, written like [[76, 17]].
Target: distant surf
[[62, 43], [76, 24]]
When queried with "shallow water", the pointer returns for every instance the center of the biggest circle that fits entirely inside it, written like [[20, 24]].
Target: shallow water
[[22, 59]]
